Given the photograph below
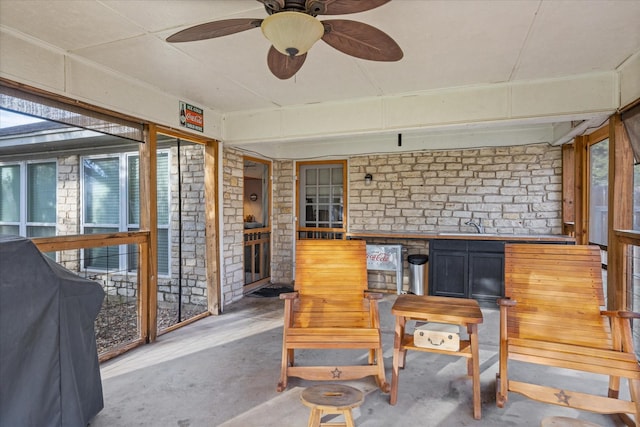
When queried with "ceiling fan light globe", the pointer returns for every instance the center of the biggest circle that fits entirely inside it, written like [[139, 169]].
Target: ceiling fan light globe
[[292, 33]]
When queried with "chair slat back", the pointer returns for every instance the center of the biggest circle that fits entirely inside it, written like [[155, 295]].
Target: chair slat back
[[331, 277], [559, 294]]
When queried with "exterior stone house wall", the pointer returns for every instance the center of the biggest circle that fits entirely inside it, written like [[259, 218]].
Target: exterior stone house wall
[[194, 273], [514, 190], [194, 283], [232, 211], [283, 229]]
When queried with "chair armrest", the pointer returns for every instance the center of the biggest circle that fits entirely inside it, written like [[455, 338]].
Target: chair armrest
[[623, 314], [506, 302], [373, 295], [289, 295]]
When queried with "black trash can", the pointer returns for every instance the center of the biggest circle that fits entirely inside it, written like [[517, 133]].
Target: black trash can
[[417, 273]]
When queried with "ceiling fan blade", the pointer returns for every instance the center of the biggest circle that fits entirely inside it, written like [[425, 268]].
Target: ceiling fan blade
[[284, 66], [340, 7], [214, 29], [361, 40]]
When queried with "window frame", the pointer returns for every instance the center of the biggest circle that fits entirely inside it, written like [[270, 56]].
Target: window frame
[[123, 224], [302, 230], [23, 223]]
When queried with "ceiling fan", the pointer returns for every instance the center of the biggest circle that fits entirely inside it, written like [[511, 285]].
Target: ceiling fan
[[292, 28]]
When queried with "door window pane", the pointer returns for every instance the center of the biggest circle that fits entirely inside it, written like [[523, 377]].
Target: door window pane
[[321, 199]]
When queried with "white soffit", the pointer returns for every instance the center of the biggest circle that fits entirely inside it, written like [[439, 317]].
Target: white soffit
[[533, 102]]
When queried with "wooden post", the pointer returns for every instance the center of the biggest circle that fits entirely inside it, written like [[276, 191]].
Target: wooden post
[[581, 207], [620, 213], [211, 226], [148, 277], [568, 188]]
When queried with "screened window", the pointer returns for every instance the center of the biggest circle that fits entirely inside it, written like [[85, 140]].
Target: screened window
[[111, 200], [28, 198], [599, 192], [636, 197]]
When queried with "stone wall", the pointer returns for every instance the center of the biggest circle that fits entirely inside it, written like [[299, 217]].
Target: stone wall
[[68, 206], [194, 274], [283, 228], [232, 212], [194, 281], [513, 190]]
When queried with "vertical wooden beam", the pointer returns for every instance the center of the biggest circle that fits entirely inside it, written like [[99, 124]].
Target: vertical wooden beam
[[581, 179], [568, 188], [211, 226], [149, 222], [620, 213]]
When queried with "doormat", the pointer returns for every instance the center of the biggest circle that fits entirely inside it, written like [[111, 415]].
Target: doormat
[[271, 292]]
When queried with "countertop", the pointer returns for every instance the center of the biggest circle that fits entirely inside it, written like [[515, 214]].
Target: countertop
[[461, 236]]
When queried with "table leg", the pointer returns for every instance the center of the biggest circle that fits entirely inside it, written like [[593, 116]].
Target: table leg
[[475, 361], [397, 354]]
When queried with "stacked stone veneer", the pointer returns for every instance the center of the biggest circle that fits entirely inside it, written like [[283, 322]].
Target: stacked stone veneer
[[233, 224], [68, 209], [193, 241], [283, 229], [514, 190], [194, 281]]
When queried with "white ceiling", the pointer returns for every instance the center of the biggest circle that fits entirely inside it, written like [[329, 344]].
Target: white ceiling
[[446, 44]]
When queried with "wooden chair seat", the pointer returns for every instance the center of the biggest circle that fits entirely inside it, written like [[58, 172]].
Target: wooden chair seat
[[331, 309], [552, 316], [345, 338]]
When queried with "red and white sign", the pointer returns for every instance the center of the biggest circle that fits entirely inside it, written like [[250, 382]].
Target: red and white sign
[[191, 117]]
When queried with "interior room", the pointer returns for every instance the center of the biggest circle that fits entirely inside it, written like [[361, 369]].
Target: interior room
[[199, 159]]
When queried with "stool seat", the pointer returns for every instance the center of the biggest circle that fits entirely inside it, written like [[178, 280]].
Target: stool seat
[[331, 399], [566, 422]]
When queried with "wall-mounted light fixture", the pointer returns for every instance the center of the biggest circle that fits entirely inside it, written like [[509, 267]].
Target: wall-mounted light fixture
[[367, 179]]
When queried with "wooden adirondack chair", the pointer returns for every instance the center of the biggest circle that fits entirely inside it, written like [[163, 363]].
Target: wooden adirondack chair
[[552, 316], [331, 309]]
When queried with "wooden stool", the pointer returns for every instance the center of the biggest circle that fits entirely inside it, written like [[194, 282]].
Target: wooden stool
[[565, 422], [331, 399]]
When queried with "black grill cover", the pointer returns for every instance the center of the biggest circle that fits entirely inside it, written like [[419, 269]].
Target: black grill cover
[[49, 371]]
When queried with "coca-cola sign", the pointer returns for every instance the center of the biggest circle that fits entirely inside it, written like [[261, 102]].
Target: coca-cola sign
[[191, 117], [383, 257]]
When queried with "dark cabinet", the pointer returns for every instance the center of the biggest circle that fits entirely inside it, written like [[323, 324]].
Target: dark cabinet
[[467, 269]]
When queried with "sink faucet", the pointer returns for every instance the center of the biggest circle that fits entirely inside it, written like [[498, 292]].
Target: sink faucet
[[478, 226]]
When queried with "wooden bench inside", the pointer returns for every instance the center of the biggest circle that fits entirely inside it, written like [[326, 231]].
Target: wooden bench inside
[[552, 315], [331, 309]]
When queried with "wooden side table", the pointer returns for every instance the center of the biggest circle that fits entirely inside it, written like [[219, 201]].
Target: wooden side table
[[457, 311]]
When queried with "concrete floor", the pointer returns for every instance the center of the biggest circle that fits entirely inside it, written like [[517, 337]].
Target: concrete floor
[[223, 371]]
